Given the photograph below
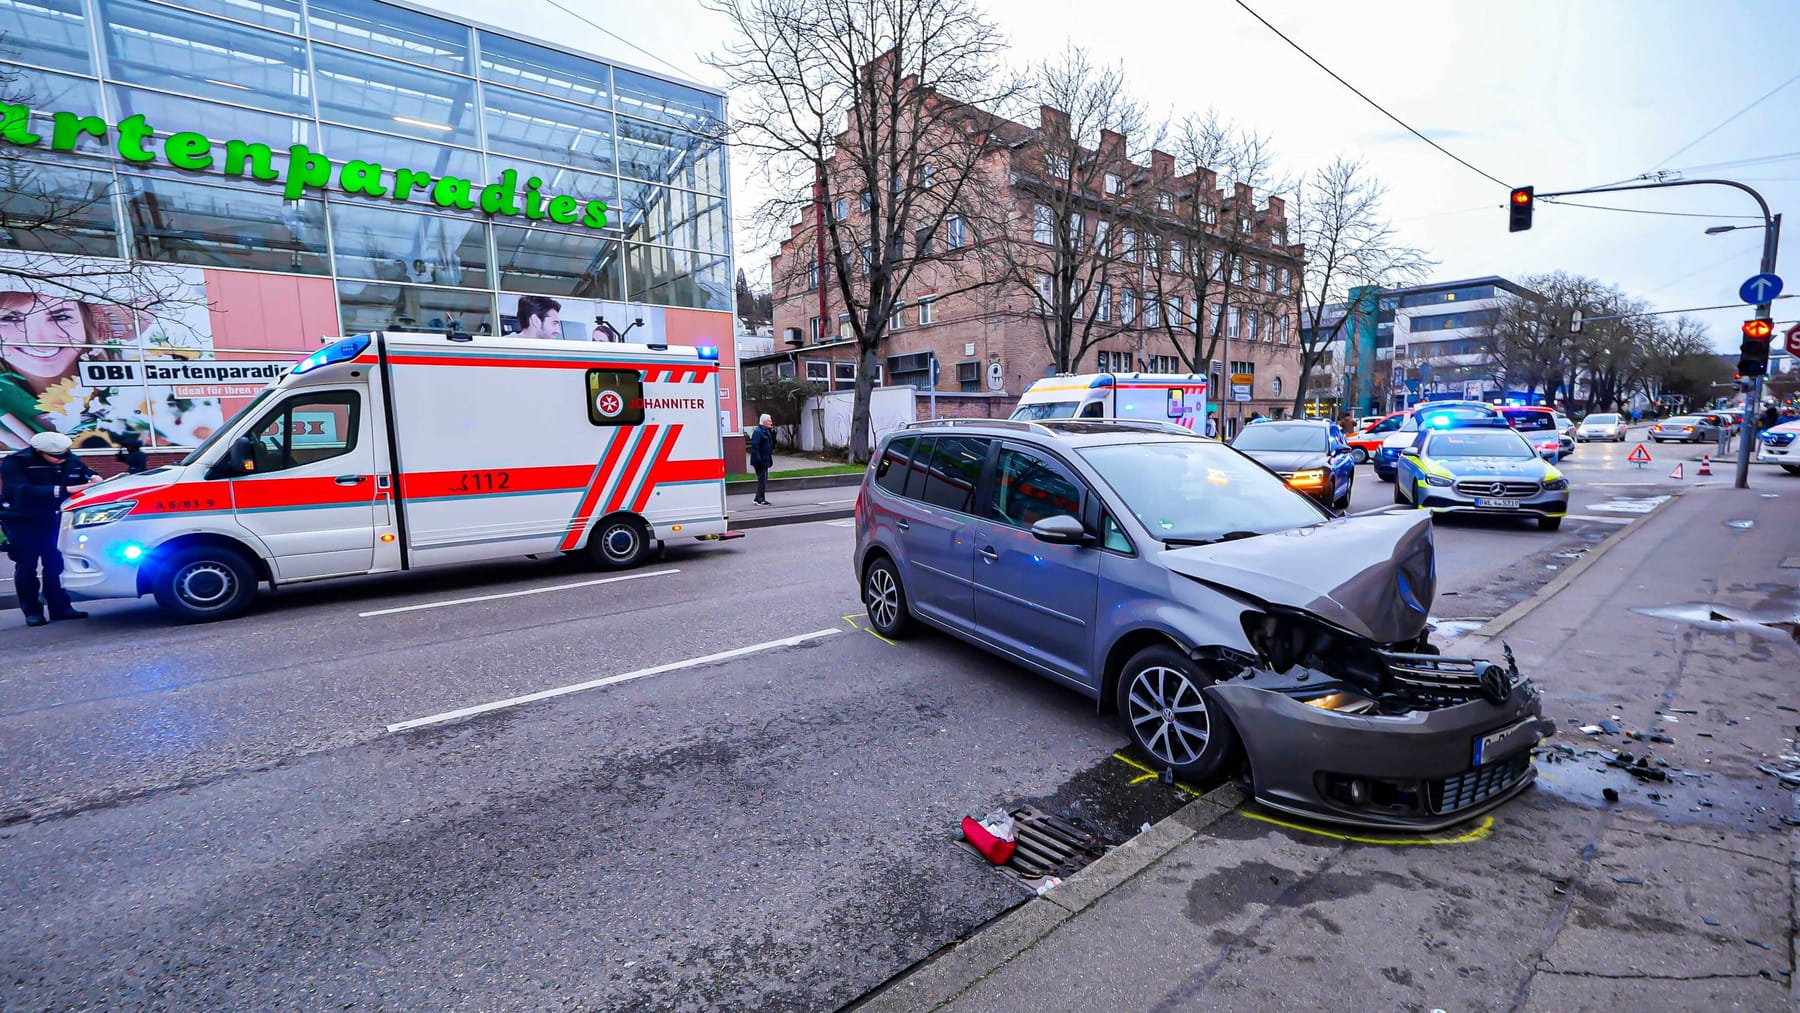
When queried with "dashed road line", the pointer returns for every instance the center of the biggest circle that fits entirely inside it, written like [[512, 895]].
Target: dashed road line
[[514, 594]]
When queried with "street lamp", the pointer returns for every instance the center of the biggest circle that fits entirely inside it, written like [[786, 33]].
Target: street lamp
[[1721, 229]]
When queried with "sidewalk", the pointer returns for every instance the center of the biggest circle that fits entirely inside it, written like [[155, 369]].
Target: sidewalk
[[1679, 896]]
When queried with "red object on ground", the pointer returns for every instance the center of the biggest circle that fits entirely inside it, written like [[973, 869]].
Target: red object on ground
[[1639, 456], [992, 848]]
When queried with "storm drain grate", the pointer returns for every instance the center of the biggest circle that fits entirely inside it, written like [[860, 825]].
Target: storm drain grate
[[1048, 846]]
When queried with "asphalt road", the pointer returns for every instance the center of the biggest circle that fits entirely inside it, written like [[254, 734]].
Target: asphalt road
[[220, 817]]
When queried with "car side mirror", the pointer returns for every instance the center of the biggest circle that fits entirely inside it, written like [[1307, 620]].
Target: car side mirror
[[1061, 530], [1410, 452], [239, 460]]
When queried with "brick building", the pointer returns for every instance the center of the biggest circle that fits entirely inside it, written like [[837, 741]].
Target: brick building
[[1163, 235]]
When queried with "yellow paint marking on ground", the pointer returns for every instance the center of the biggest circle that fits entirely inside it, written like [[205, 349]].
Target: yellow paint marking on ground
[[1152, 774], [858, 626], [1480, 832]]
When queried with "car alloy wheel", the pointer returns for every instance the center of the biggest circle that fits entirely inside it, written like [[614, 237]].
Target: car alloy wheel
[[1163, 708], [885, 600]]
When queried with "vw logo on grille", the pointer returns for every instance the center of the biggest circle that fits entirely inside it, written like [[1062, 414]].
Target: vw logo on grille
[[1496, 684]]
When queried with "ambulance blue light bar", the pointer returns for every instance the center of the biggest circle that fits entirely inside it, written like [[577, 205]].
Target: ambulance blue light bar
[[1101, 381], [709, 352], [343, 351]]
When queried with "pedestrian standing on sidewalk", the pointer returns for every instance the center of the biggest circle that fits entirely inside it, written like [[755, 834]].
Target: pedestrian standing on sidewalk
[[1212, 425], [131, 451], [1770, 417], [34, 484], [762, 456]]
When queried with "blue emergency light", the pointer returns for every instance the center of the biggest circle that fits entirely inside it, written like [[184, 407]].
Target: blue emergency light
[[1100, 381], [709, 352], [343, 351]]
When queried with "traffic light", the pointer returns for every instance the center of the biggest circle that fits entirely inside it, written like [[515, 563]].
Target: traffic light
[[1520, 207], [1753, 354]]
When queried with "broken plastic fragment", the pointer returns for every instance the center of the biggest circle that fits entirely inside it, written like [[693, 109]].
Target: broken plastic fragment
[[1630, 880], [1714, 922], [1611, 794], [1591, 729]]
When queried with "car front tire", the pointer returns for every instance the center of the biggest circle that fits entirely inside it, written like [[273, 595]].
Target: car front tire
[[205, 584], [1549, 523], [1792, 469], [1359, 455], [1163, 707]]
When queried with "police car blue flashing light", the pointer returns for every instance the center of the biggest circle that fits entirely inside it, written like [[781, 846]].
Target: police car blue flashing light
[[342, 351]]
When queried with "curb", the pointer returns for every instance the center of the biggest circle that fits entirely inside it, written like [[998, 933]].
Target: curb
[[750, 522], [1542, 595], [950, 972]]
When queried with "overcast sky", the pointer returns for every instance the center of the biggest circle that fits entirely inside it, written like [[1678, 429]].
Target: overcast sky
[[1557, 94]]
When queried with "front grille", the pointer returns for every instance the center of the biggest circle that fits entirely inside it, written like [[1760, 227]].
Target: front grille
[[1476, 786], [1433, 679], [1778, 439], [1510, 490]]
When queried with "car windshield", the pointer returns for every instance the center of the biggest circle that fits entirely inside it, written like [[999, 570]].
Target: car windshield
[[1479, 443], [1278, 437], [1045, 410], [1531, 422], [1195, 491], [1600, 420]]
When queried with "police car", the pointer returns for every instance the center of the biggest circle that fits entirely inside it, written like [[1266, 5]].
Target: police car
[[1438, 414], [1481, 466]]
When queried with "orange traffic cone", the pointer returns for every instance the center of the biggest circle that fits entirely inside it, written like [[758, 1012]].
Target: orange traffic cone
[[1705, 464]]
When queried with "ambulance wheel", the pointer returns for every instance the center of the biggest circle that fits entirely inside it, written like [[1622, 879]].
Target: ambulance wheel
[[204, 584], [619, 543]]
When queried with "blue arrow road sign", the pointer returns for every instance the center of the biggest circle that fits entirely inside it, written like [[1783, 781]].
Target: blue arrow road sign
[[1760, 288]]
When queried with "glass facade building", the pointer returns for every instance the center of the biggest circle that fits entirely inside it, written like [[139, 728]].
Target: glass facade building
[[294, 169]]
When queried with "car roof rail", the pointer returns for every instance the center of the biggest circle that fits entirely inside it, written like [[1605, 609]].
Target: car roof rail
[[953, 423], [1149, 425]]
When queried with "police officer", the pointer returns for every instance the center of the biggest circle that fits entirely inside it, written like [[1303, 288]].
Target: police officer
[[34, 484]]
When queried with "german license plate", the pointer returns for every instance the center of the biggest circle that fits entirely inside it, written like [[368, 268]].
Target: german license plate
[[1502, 504], [1504, 741]]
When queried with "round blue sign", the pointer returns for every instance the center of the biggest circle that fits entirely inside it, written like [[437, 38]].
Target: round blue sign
[[1760, 288]]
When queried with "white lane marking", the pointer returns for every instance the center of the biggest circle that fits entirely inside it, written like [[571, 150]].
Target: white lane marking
[[613, 680], [847, 523], [1602, 520], [835, 502], [514, 594]]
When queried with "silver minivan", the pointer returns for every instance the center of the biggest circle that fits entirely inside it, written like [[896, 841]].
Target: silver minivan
[[1227, 619]]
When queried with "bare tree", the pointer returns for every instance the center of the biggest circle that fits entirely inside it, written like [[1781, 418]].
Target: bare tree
[[1075, 236], [877, 107], [1349, 244]]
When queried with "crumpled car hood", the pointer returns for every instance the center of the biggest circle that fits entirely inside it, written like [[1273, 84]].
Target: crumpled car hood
[[1374, 576]]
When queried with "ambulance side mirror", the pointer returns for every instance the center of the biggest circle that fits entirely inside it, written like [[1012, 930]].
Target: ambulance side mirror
[[240, 460]]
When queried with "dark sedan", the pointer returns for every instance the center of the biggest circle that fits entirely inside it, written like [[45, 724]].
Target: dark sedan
[[1310, 455]]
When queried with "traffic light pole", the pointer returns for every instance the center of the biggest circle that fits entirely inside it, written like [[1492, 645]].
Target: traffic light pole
[[1771, 243]]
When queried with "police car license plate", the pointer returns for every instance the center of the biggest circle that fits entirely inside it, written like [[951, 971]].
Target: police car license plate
[[1502, 742], [1504, 504]]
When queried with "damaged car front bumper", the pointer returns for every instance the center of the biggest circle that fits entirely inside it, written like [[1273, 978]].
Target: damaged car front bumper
[[1439, 741]]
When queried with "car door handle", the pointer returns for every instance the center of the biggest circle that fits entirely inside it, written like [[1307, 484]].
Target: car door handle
[[903, 524], [352, 479], [988, 553]]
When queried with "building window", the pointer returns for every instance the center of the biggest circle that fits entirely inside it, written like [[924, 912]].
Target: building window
[[1112, 182], [1284, 282], [1231, 323], [1046, 293], [1237, 272], [1275, 387], [1043, 224], [1103, 308], [955, 233], [844, 329], [868, 256], [1128, 244], [785, 369], [1153, 252], [1075, 233], [818, 333], [927, 176], [922, 241], [1209, 214], [1114, 362], [868, 201], [1165, 202], [1177, 253], [1103, 237], [1244, 224], [1152, 311], [1057, 166], [1279, 235], [843, 209], [925, 304], [1255, 324], [1128, 310], [1281, 328], [812, 277], [897, 319], [1164, 364], [818, 372], [1174, 312], [844, 372]]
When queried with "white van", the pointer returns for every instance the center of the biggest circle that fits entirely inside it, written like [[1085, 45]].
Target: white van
[[1159, 397], [387, 452]]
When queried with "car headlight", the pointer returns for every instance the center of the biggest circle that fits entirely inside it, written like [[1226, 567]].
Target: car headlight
[[1556, 485], [1438, 480], [1310, 478], [88, 517]]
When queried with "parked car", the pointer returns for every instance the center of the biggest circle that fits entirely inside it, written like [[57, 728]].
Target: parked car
[[1565, 435], [1681, 429], [1538, 425], [1227, 621], [1441, 414], [1310, 455], [1602, 426], [1482, 468], [1780, 445], [1366, 442]]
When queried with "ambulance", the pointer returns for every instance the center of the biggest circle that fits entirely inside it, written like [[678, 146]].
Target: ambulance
[[385, 452], [1160, 397]]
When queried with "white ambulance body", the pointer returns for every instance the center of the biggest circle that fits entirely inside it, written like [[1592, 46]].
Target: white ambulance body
[[1157, 397], [387, 452]]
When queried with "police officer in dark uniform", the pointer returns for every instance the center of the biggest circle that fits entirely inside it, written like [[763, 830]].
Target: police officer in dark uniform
[[34, 483]]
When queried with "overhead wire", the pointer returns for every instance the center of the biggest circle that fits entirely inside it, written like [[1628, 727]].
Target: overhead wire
[[1559, 202], [1729, 120], [1359, 94], [595, 25]]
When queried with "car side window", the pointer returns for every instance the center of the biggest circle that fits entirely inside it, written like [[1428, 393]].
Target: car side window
[[1114, 537], [306, 429], [1388, 425], [890, 472], [1029, 487], [1094, 410], [951, 475]]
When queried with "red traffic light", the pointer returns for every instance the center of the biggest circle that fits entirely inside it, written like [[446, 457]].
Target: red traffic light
[[1759, 330], [1522, 195]]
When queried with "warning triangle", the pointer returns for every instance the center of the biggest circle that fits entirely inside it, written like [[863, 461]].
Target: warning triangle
[[1641, 455], [1677, 472]]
